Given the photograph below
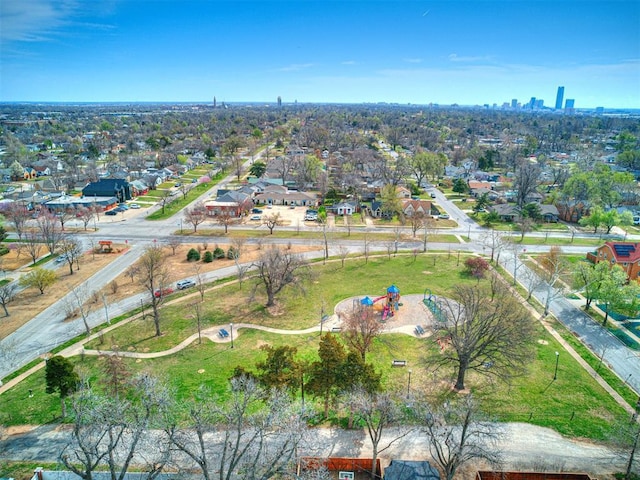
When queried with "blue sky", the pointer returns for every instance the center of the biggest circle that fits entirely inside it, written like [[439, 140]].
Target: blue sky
[[348, 51]]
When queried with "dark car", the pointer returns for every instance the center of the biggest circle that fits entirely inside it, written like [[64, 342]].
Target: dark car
[[111, 212], [256, 210]]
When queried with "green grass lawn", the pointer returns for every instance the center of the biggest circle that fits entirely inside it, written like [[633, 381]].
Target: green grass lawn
[[180, 202], [574, 404]]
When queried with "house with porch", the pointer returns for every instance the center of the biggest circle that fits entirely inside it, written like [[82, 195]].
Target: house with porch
[[413, 207]]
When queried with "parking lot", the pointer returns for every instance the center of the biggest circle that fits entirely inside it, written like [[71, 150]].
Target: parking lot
[[288, 216]]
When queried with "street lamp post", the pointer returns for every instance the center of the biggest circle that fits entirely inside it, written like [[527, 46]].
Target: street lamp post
[[555, 373], [409, 383], [231, 325]]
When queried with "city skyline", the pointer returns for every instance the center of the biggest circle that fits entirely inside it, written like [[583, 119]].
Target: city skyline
[[357, 51]]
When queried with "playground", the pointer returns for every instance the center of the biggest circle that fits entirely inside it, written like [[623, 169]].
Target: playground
[[409, 314]]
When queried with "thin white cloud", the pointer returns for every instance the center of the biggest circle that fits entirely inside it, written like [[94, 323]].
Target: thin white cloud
[[454, 57], [295, 67], [41, 20], [412, 60], [349, 62]]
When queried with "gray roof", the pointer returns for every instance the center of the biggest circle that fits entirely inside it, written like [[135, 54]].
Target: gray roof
[[410, 470]]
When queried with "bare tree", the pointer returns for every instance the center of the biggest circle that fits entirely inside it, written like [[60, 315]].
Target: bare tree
[[132, 272], [526, 181], [184, 189], [277, 269], [173, 243], [71, 249], [196, 215], [166, 197], [379, 412], [366, 246], [494, 241], [86, 215], [33, 245], [79, 302], [50, 230], [457, 434], [17, 215], [109, 433], [343, 253], [554, 266], [271, 221], [197, 313], [226, 218], [201, 285], [65, 215], [257, 434], [7, 295], [154, 277], [489, 336], [361, 326]]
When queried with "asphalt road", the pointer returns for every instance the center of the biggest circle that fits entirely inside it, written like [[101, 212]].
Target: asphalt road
[[523, 446]]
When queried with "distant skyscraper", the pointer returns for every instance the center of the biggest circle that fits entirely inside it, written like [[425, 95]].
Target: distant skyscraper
[[514, 103], [569, 106], [559, 98], [214, 102], [279, 101], [532, 103]]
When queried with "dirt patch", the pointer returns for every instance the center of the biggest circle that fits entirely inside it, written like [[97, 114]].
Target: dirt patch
[[543, 342], [28, 301], [180, 268]]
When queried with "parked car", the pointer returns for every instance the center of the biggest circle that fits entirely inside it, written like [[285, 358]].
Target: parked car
[[134, 206], [178, 184], [111, 212], [256, 210], [255, 217], [61, 258], [433, 195], [161, 293], [444, 216], [123, 206], [182, 284], [310, 217]]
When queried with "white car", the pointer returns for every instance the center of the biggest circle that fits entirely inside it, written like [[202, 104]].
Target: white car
[[135, 206], [444, 216], [255, 217], [182, 284]]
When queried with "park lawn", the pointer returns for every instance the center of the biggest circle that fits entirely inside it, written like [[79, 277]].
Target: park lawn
[[574, 404], [341, 234], [297, 308], [181, 201]]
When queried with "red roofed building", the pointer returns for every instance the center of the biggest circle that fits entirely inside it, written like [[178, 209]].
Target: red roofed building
[[625, 254]]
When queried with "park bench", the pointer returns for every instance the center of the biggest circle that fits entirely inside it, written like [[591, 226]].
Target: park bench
[[399, 363], [419, 330], [336, 329], [223, 333]]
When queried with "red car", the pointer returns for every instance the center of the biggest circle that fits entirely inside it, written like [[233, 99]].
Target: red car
[[163, 292]]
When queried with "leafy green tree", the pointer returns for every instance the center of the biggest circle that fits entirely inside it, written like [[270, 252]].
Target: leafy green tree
[[208, 256], [390, 203], [325, 383], [611, 290], [482, 202], [460, 186], [258, 168], [40, 278], [532, 211], [356, 373], [17, 170], [588, 277], [593, 220], [218, 253], [61, 378], [626, 141], [280, 369]]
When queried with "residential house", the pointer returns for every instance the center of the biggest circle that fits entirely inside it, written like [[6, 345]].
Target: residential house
[[625, 254], [413, 207], [29, 173], [376, 209], [139, 188], [281, 195], [345, 208], [109, 187], [232, 203], [42, 170], [152, 180], [403, 192], [509, 212]]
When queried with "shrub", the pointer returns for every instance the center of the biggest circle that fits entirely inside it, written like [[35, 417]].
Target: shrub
[[193, 255], [208, 257], [232, 253], [218, 253]]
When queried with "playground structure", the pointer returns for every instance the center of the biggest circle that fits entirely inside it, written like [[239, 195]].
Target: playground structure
[[391, 303], [431, 302]]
